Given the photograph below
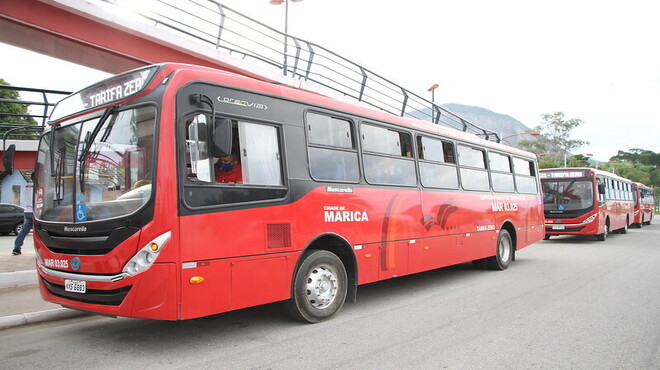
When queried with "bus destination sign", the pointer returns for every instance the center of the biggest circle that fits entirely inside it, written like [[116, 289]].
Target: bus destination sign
[[117, 88], [562, 174]]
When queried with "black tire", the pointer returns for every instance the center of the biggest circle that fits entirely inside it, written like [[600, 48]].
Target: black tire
[[624, 230], [319, 287], [503, 252], [18, 227], [602, 237], [547, 237]]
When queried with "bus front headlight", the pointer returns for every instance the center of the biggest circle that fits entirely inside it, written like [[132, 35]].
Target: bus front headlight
[[146, 256]]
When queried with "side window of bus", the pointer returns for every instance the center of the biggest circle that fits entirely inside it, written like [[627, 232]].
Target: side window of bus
[[617, 190], [437, 164], [601, 189], [254, 159], [332, 151], [474, 175], [387, 156], [525, 175], [500, 172], [258, 151]]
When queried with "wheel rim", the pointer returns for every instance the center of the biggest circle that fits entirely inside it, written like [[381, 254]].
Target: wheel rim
[[605, 230], [322, 287], [504, 249]]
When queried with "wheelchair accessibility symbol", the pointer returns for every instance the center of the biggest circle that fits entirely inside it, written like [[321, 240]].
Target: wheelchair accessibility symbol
[[81, 212]]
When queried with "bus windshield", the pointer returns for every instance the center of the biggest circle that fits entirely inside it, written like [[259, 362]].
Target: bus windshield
[[96, 168], [567, 195]]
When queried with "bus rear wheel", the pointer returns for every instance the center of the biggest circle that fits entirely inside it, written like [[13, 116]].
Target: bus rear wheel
[[319, 287], [504, 252]]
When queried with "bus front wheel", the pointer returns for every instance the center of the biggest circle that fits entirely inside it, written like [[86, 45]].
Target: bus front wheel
[[504, 252], [319, 287], [603, 236]]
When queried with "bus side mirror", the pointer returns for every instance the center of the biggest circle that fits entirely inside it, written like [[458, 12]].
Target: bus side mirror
[[8, 159], [221, 146]]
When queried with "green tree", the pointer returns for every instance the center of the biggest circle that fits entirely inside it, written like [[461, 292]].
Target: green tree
[[555, 137], [548, 162], [640, 156], [12, 114], [638, 165], [577, 160]]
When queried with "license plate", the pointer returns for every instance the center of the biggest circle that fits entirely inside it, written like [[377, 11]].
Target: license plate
[[75, 286], [557, 227]]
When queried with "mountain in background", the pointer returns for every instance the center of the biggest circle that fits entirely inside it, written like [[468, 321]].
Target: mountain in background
[[502, 124]]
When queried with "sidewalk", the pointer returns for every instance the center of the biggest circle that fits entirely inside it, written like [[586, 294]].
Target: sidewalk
[[20, 301]]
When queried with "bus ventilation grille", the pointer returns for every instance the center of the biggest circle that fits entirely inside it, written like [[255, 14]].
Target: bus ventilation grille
[[278, 235]]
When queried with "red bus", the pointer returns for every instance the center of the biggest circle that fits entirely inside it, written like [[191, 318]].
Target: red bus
[[132, 217], [644, 204], [585, 201]]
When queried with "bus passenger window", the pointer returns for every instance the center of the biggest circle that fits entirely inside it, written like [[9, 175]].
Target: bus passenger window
[[525, 174], [501, 175], [387, 156], [436, 163], [332, 153], [474, 175]]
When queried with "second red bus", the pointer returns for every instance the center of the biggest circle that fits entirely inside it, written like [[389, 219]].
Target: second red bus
[[585, 201]]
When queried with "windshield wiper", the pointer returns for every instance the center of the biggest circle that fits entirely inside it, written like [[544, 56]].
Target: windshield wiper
[[89, 139]]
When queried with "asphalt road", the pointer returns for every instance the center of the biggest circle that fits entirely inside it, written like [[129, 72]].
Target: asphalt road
[[566, 303]]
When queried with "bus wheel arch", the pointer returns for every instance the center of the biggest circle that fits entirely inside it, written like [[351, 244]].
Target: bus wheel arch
[[508, 226], [324, 278]]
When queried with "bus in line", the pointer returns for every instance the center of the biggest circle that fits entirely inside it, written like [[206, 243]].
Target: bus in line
[[644, 204], [176, 191], [586, 201]]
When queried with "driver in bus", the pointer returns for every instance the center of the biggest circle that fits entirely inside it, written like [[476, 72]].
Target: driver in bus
[[229, 169]]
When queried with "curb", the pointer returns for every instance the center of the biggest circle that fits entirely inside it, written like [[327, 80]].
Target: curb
[[37, 317], [18, 278]]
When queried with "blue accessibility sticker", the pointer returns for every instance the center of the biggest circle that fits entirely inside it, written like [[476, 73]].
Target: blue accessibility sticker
[[81, 212]]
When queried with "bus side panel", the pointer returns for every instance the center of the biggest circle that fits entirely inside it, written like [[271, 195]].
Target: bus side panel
[[261, 280], [467, 217], [210, 296], [393, 259], [231, 284], [368, 260], [431, 253]]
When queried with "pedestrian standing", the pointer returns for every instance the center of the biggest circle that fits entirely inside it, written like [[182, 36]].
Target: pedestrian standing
[[27, 221]]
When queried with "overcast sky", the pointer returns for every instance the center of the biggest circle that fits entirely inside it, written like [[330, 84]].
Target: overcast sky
[[598, 61]]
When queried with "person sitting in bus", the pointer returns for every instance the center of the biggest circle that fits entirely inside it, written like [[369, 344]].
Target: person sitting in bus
[[230, 170]]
